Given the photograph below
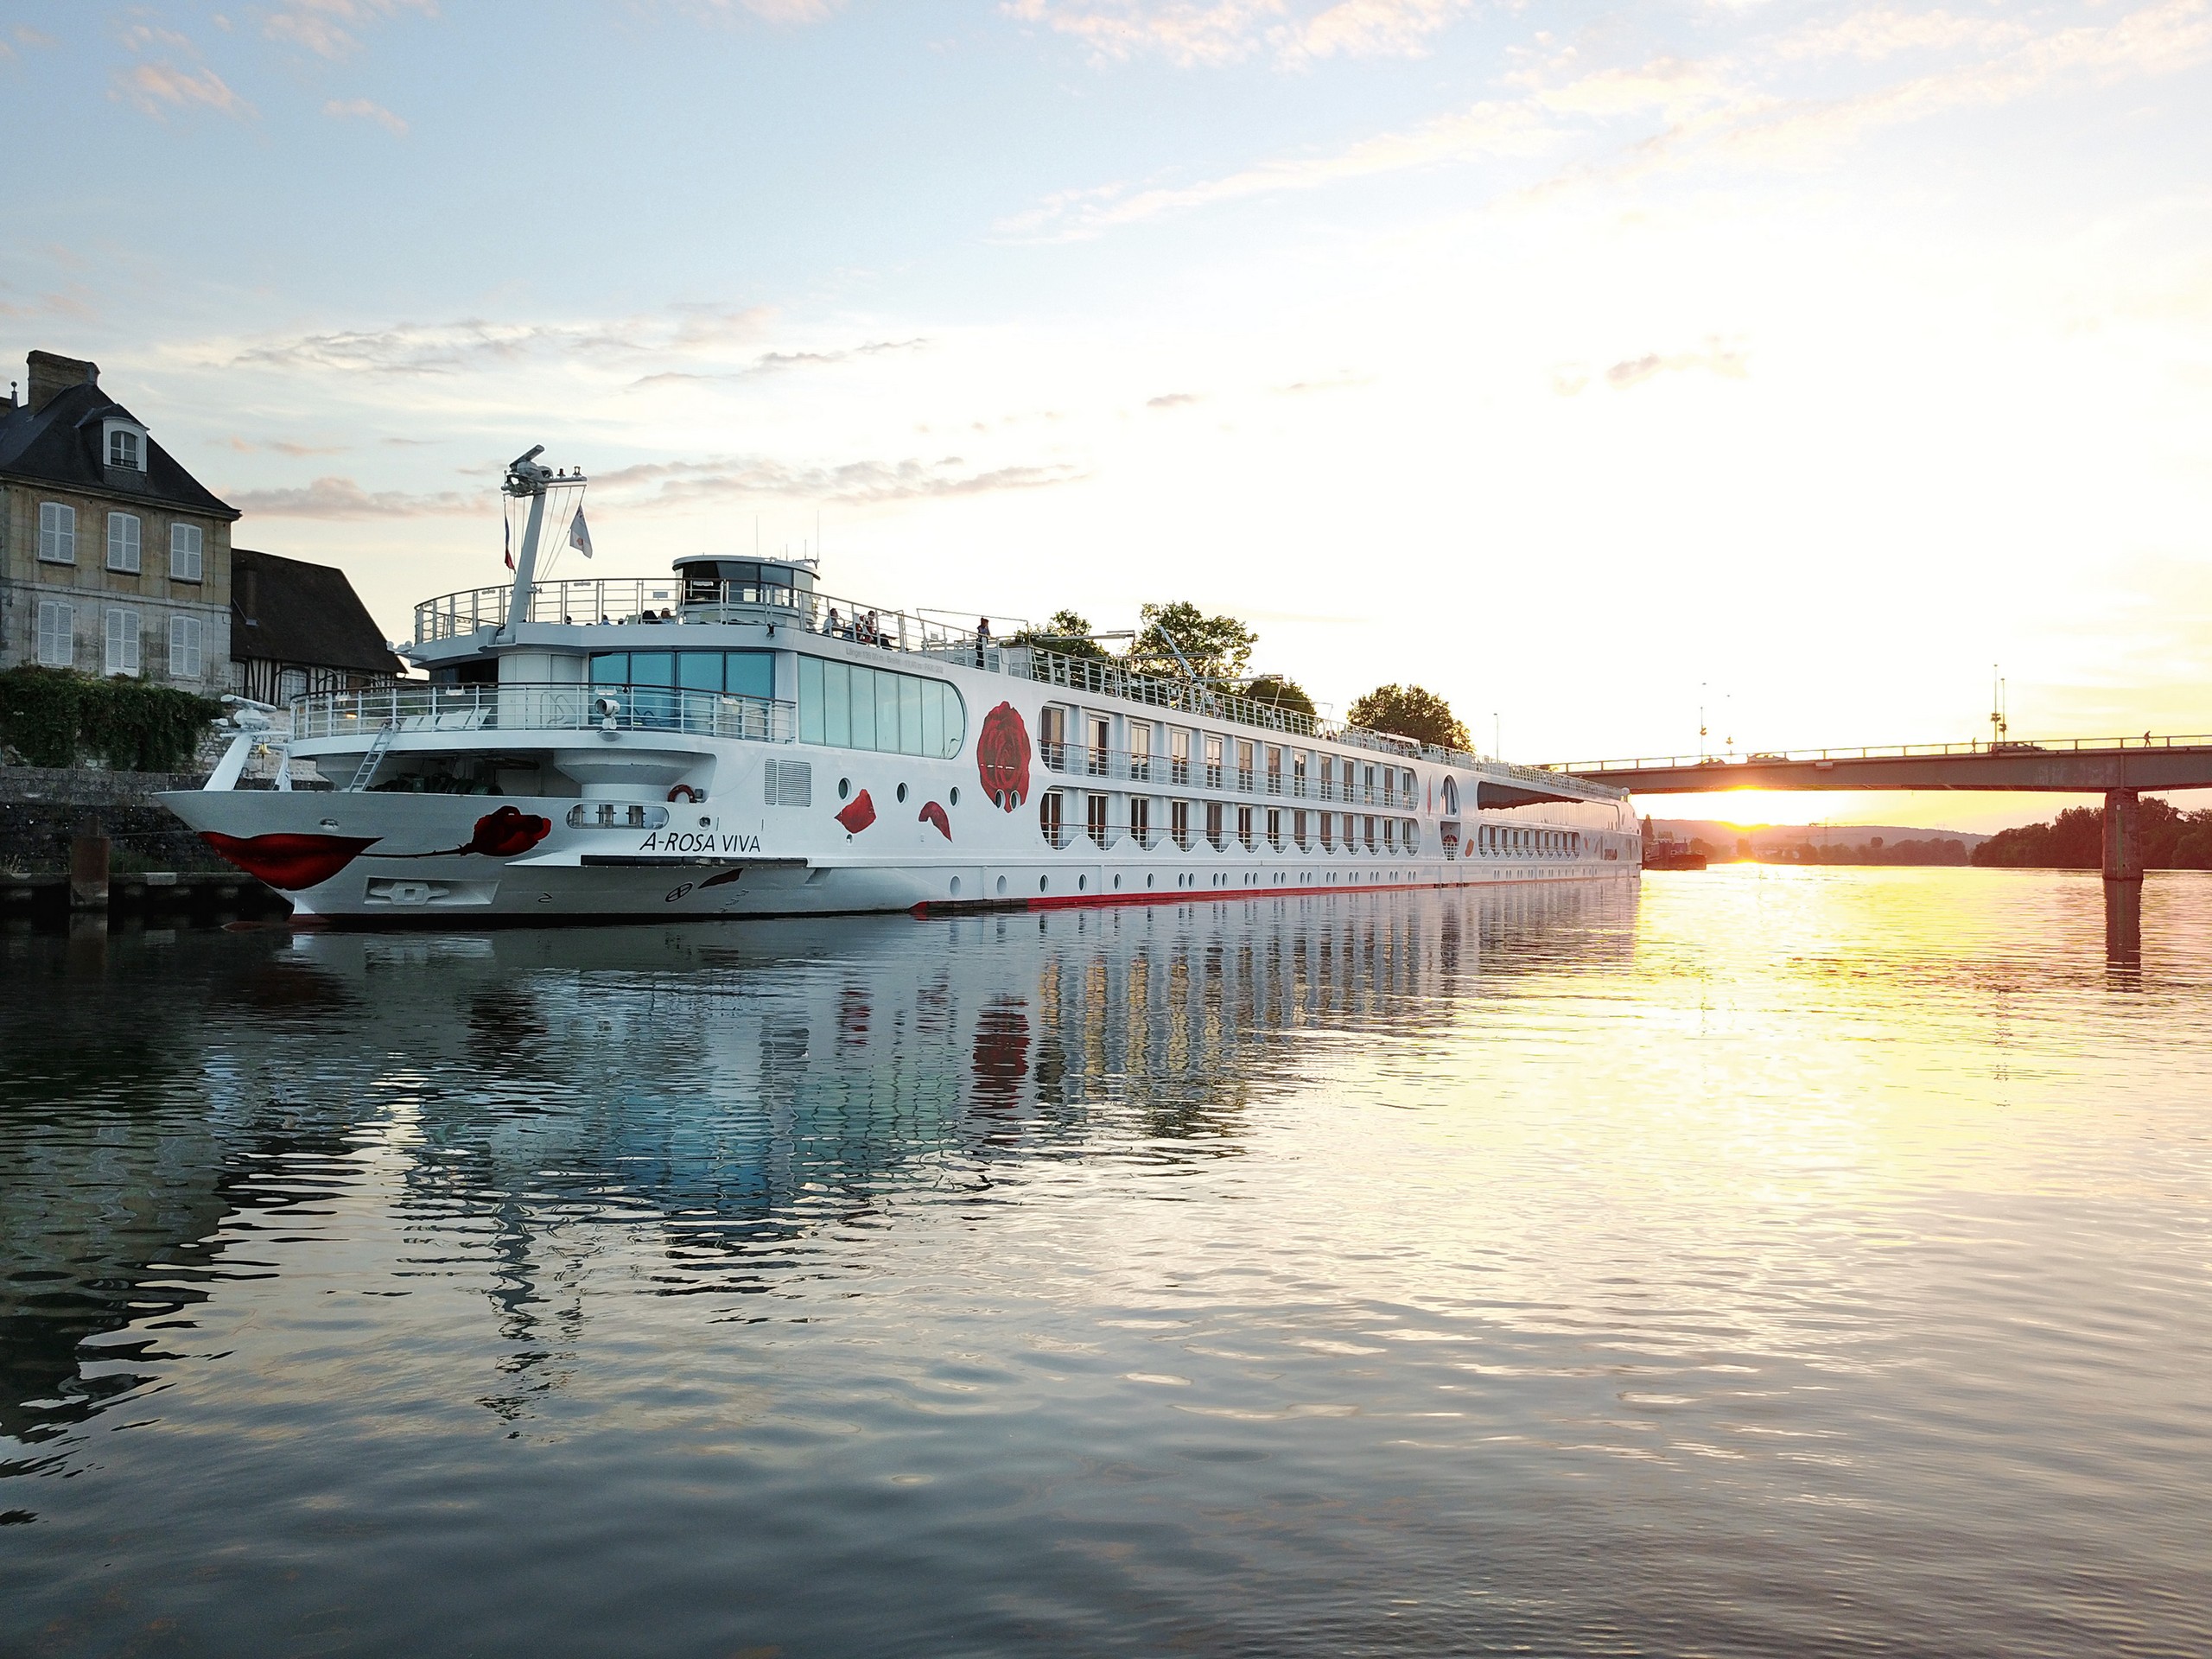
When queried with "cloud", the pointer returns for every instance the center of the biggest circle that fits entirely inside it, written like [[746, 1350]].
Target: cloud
[[861, 482], [454, 347], [327, 28], [794, 13], [1368, 28], [25, 37], [282, 448], [1872, 36], [1487, 130], [1175, 400], [774, 362], [1187, 32], [1192, 32], [1630, 373], [1741, 107], [341, 498], [155, 89], [363, 110]]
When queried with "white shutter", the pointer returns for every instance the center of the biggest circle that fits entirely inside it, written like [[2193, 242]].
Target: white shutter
[[57, 629], [123, 541], [184, 648], [122, 655], [185, 561], [57, 532]]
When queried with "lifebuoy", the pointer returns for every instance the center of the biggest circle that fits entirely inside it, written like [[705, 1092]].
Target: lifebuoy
[[685, 792]]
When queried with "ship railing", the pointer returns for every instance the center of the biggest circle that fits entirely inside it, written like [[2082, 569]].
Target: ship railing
[[539, 707], [1148, 767], [677, 600], [1103, 676]]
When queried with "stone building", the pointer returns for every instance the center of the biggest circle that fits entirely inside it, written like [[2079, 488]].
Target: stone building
[[113, 559]]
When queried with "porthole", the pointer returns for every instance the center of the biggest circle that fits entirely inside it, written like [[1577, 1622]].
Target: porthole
[[844, 787], [902, 792], [1147, 880], [1117, 884], [956, 886], [1042, 882], [1002, 887], [1082, 883], [953, 799]]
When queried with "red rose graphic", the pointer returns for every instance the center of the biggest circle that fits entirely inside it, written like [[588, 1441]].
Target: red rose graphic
[[290, 863], [935, 813], [507, 832], [859, 815], [1002, 757]]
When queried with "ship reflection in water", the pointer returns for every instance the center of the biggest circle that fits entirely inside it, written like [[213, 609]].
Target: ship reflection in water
[[1772, 1261]]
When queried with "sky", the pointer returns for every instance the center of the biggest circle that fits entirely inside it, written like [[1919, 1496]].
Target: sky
[[1808, 365]]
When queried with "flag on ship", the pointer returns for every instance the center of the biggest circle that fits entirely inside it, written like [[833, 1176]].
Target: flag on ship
[[579, 534], [507, 541]]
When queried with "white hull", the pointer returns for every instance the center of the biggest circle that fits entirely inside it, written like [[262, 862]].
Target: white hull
[[849, 777]]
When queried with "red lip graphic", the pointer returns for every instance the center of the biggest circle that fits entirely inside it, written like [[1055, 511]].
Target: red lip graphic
[[858, 816], [287, 861], [1002, 757], [935, 813], [508, 831]]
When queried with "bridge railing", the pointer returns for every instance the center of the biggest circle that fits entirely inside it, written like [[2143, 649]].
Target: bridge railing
[[1884, 752]]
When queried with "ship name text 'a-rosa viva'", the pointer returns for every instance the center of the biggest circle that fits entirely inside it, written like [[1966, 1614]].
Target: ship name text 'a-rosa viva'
[[733, 742]]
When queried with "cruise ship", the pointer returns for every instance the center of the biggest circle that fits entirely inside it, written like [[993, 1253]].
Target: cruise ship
[[733, 742]]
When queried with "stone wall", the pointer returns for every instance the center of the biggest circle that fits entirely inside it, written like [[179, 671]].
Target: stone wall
[[41, 808]]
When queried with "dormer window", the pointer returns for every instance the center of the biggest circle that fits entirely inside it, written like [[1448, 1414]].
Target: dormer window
[[126, 445]]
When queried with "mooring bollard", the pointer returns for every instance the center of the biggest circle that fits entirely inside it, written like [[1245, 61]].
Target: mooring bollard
[[88, 872]]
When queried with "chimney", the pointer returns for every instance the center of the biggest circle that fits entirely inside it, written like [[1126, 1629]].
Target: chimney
[[52, 375]]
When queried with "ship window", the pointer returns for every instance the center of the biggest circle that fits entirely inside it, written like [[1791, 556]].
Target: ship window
[[699, 671], [851, 706], [653, 668]]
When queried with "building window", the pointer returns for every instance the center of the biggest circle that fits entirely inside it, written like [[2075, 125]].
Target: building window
[[1094, 819], [1244, 828], [1244, 766], [57, 633], [1215, 833], [1101, 737], [122, 641], [1275, 827], [1328, 832], [1213, 761], [1141, 750], [57, 532], [1049, 820], [184, 648], [1179, 820], [1299, 833], [1141, 821], [123, 541], [185, 560], [1178, 755], [123, 449]]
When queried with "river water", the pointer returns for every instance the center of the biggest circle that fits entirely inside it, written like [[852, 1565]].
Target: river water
[[1762, 1262]]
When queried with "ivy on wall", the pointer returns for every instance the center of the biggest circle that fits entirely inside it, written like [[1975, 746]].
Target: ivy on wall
[[58, 717]]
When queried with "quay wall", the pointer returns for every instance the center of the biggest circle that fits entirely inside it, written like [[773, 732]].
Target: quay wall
[[42, 807]]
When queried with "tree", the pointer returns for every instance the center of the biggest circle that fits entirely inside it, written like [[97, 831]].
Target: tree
[[1277, 692], [1216, 647], [1409, 711], [1066, 631]]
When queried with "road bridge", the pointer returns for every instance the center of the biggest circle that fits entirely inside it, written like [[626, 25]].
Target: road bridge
[[2118, 768]]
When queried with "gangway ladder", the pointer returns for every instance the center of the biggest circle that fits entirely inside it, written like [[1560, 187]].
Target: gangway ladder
[[367, 770]]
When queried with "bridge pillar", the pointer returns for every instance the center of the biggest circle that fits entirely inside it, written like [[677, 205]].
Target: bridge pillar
[[2123, 835]]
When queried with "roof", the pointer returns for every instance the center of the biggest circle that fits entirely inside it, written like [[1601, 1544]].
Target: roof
[[288, 611], [60, 444]]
